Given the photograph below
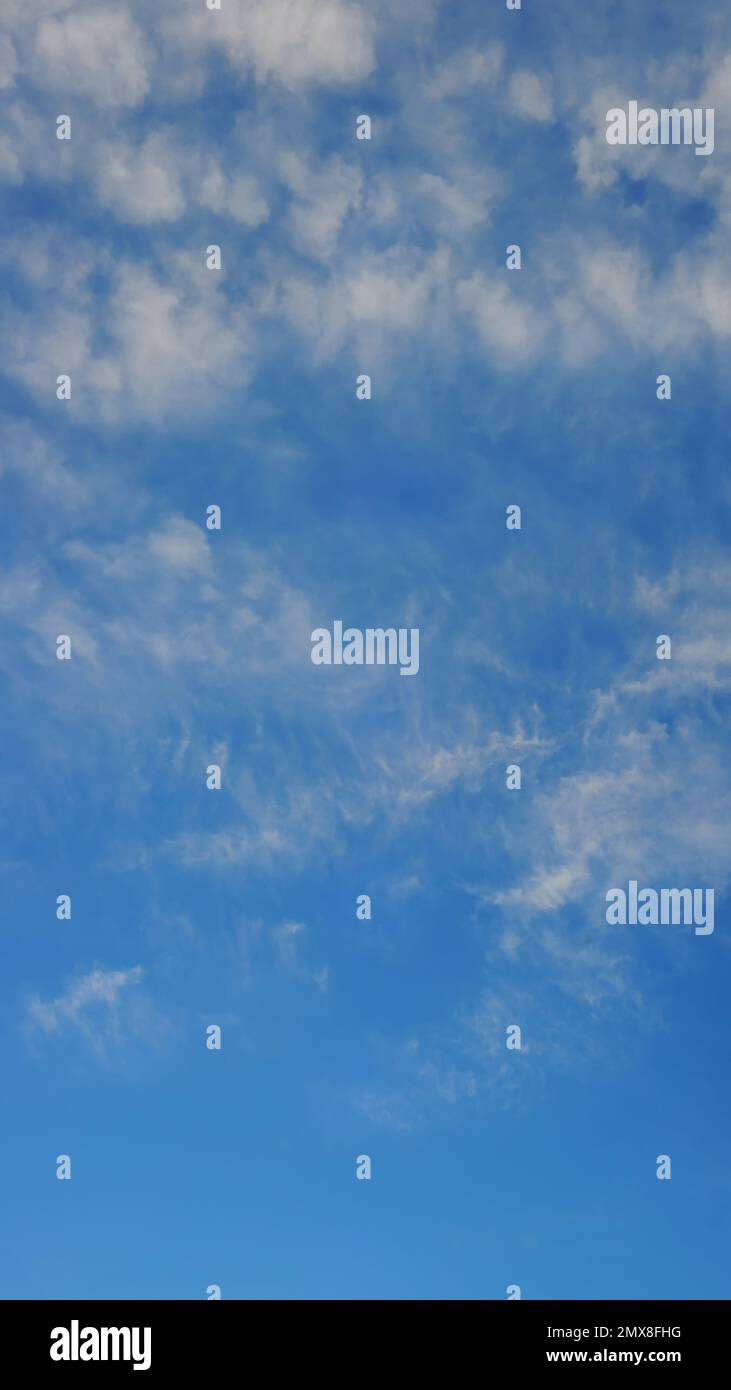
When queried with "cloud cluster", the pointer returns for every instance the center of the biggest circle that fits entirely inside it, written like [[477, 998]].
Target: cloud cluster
[[348, 250]]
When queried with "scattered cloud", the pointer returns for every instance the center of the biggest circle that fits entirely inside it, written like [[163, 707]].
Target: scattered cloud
[[102, 1008], [530, 96], [98, 53]]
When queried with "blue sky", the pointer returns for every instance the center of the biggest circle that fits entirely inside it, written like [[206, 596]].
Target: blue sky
[[343, 1037]]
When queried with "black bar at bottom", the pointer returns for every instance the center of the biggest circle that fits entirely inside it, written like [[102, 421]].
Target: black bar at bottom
[[234, 1338]]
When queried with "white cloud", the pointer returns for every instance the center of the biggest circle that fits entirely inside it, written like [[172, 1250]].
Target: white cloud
[[238, 197], [181, 545], [39, 463], [98, 987], [615, 282], [365, 303], [287, 938], [324, 198], [176, 344], [530, 96], [322, 42], [148, 347], [468, 68], [97, 53], [644, 804], [159, 178], [460, 203], [276, 833], [57, 343], [99, 1008], [28, 147], [8, 62], [142, 184], [596, 162], [178, 547], [706, 289], [11, 169], [509, 327], [325, 40]]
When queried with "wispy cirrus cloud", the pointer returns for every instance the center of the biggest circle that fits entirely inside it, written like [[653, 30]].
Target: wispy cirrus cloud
[[102, 1008]]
